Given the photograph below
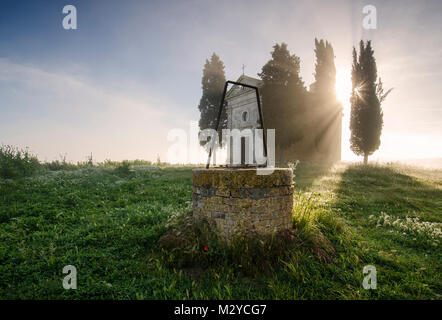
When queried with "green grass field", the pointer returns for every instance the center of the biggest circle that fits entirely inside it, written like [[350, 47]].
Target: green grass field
[[108, 224]]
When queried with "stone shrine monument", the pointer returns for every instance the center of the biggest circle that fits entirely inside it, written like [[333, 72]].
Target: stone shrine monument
[[238, 198]]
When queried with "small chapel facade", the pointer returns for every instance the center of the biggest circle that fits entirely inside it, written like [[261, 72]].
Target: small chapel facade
[[242, 106], [242, 113]]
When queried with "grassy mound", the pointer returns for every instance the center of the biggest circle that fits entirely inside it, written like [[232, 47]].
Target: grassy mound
[[191, 244]]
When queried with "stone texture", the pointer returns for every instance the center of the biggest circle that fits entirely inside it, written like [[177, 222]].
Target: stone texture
[[239, 200]]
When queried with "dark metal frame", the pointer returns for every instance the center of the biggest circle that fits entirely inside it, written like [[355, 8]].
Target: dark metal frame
[[259, 110]]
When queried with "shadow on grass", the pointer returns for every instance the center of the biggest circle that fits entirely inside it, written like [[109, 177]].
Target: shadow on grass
[[372, 189], [401, 248]]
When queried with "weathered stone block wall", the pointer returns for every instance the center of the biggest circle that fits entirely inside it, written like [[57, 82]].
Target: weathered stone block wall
[[239, 200]]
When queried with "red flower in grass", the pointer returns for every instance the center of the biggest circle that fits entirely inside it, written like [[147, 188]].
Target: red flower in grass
[[206, 248]]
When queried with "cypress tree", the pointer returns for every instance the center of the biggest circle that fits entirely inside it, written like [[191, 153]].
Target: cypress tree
[[325, 70], [213, 81], [366, 117], [283, 95], [326, 110]]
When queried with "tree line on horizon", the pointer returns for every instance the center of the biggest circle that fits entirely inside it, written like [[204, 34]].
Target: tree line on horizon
[[307, 118]]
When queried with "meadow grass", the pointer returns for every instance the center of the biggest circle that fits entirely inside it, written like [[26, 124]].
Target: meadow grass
[[126, 228], [15, 162]]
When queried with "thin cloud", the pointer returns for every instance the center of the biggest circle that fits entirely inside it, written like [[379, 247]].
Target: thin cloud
[[80, 117]]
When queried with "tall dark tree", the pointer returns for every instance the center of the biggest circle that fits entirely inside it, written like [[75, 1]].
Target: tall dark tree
[[325, 70], [325, 110], [366, 117], [212, 84], [283, 95]]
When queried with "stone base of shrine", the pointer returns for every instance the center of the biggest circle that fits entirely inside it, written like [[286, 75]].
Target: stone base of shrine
[[240, 200]]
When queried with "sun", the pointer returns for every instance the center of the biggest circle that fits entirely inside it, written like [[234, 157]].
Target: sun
[[343, 86]]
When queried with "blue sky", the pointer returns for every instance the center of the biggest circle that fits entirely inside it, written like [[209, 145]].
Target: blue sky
[[132, 70]]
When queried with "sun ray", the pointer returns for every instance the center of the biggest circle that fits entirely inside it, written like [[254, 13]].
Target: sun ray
[[343, 86]]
